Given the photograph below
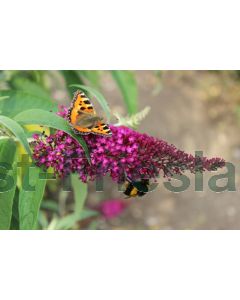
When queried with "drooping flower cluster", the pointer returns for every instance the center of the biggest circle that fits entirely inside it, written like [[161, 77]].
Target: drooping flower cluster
[[126, 153]]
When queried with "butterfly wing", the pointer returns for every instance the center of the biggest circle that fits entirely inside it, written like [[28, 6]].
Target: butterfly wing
[[81, 130], [82, 117], [101, 129], [80, 107]]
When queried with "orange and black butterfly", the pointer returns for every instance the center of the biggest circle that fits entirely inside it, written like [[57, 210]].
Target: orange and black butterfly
[[83, 118]]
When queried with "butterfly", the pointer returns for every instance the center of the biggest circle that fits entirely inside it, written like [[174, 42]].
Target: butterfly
[[83, 118], [136, 188]]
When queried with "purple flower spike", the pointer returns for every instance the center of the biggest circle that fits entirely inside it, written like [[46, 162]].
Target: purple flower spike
[[126, 153]]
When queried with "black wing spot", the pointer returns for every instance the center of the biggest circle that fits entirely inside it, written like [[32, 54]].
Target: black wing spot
[[83, 108], [87, 102]]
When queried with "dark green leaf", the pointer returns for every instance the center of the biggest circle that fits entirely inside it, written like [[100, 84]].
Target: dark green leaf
[[30, 198], [45, 118], [128, 86], [17, 130], [8, 178], [15, 212], [102, 101]]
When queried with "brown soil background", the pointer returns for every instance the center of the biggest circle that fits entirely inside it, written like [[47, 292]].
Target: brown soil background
[[194, 110]]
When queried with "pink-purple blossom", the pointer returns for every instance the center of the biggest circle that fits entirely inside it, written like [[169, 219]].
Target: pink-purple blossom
[[112, 208], [127, 153]]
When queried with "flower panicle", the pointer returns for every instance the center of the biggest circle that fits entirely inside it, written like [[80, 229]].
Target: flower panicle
[[127, 153]]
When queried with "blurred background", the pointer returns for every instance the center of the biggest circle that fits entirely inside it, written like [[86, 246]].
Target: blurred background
[[194, 110]]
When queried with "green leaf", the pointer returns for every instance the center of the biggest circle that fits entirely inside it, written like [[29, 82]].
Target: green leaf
[[15, 211], [17, 130], [8, 178], [30, 87], [66, 222], [102, 101], [30, 198], [88, 213], [70, 220], [128, 86], [50, 205], [42, 220], [79, 192], [71, 77], [92, 77], [3, 97], [19, 101], [80, 195], [45, 118]]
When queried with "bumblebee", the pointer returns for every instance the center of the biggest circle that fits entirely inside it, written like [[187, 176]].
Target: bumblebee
[[136, 188]]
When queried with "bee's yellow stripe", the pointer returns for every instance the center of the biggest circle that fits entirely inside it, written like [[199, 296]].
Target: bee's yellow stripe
[[134, 192]]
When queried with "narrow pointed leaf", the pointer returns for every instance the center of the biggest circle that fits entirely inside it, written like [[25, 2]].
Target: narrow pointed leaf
[[17, 130], [79, 192], [8, 178], [128, 86], [30, 198]]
